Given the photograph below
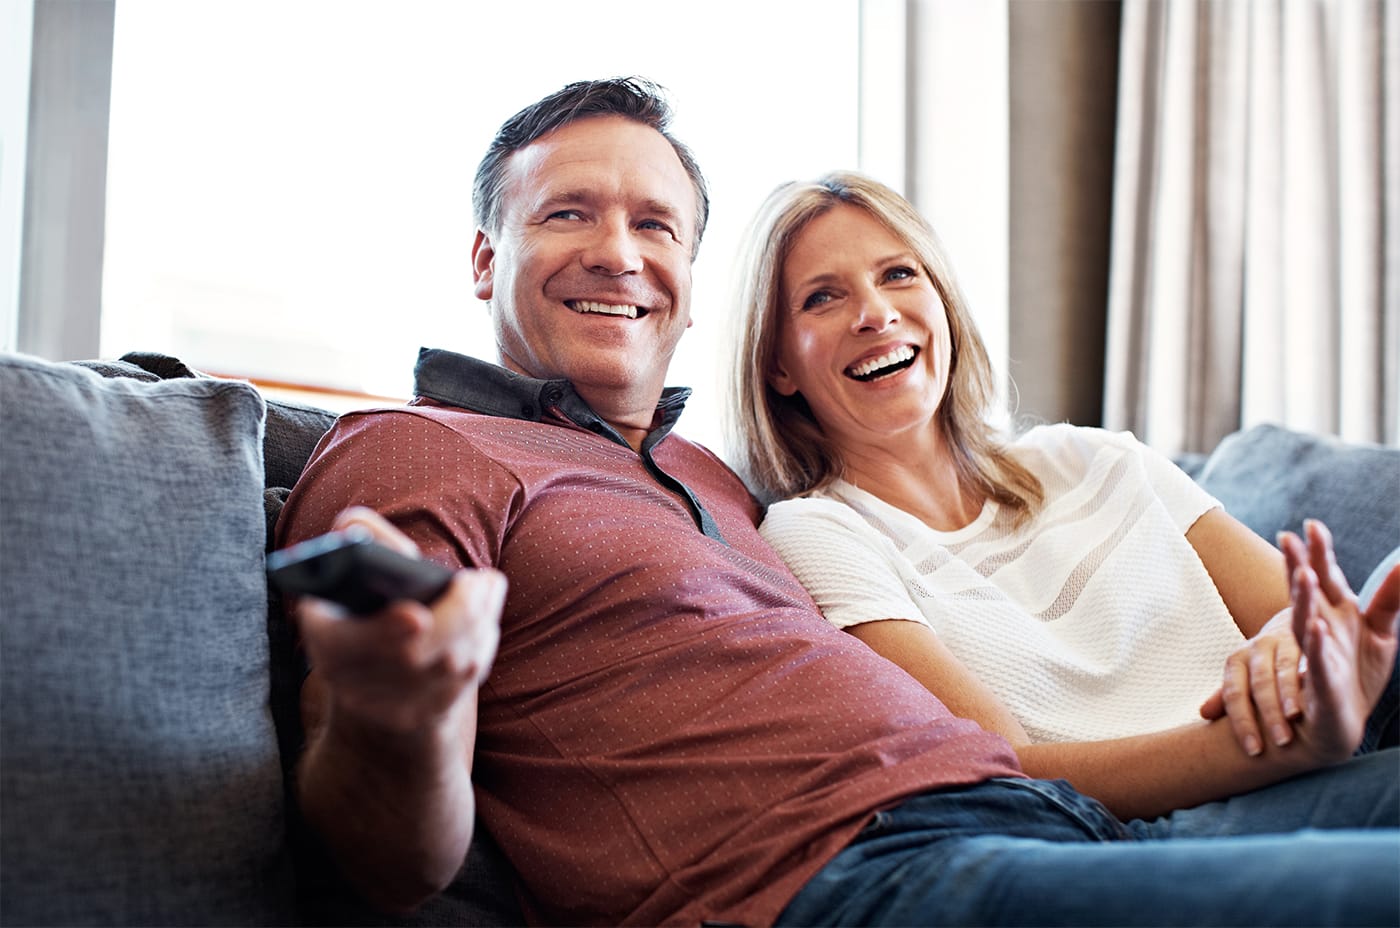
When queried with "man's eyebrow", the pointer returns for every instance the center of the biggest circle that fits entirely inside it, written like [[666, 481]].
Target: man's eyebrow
[[661, 208], [561, 198], [650, 206]]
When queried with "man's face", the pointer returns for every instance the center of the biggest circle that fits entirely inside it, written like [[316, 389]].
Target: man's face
[[589, 276]]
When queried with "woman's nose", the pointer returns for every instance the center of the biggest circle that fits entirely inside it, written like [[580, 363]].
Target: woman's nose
[[874, 313]]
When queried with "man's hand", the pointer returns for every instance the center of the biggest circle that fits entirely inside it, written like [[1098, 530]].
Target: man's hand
[[405, 667], [390, 713], [1318, 667]]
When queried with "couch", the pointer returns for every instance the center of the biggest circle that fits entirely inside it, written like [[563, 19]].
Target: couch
[[148, 719]]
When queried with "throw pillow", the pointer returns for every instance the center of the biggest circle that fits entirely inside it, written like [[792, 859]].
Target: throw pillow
[[141, 782]]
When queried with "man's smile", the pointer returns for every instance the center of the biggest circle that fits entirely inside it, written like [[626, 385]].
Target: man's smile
[[607, 309]]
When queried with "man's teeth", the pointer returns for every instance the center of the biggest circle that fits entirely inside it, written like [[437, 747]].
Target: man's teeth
[[607, 309], [868, 370]]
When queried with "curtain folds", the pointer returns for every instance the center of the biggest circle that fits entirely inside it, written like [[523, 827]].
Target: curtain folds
[[1255, 273]]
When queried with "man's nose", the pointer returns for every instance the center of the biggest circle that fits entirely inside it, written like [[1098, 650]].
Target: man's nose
[[613, 249]]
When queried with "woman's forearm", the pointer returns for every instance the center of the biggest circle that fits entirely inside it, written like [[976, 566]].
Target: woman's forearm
[[1146, 776]]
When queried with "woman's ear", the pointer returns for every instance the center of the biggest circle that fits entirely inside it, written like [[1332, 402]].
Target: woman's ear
[[779, 380], [483, 264]]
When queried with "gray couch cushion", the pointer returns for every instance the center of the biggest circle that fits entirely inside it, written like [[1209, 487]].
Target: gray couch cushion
[[290, 434], [1272, 478], [140, 782], [483, 893]]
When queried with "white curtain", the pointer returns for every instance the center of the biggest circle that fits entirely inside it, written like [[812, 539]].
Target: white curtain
[[1255, 271]]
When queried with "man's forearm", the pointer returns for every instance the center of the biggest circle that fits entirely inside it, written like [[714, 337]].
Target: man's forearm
[[395, 811]]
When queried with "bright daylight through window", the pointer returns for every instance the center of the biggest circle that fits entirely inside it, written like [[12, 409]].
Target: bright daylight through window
[[289, 184]]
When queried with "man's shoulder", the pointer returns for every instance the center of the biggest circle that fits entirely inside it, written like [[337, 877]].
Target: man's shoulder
[[425, 432], [416, 415]]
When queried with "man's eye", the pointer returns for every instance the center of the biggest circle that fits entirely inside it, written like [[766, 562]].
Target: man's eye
[[654, 225], [563, 214]]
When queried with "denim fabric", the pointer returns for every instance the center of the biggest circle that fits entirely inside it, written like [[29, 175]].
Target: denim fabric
[[1029, 852]]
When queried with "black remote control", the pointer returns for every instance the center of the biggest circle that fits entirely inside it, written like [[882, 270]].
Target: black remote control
[[354, 570]]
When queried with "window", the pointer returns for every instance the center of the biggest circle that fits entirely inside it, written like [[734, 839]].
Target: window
[[289, 184]]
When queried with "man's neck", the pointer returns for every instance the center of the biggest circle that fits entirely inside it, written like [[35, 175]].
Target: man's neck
[[632, 413]]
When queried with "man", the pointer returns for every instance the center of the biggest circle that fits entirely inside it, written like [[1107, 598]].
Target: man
[[669, 732]]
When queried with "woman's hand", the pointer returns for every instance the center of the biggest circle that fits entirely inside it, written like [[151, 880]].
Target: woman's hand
[[1316, 670], [1262, 686]]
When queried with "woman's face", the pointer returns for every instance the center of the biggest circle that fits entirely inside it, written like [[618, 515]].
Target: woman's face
[[862, 335]]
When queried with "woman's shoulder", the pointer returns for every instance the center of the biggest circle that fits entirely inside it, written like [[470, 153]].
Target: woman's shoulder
[[1062, 440], [1065, 452], [815, 512], [810, 507]]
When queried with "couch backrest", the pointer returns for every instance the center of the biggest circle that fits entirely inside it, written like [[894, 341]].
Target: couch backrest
[[1272, 478]]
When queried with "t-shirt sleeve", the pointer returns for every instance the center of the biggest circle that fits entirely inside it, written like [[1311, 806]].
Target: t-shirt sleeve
[[1185, 499], [850, 570]]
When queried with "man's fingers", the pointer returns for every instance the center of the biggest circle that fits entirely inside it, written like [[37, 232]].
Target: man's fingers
[[341, 644], [468, 626], [380, 528]]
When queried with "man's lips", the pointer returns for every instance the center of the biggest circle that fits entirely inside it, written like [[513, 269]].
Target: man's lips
[[890, 362], [586, 307]]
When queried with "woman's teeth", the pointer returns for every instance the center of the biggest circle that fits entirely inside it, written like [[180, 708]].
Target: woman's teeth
[[887, 363]]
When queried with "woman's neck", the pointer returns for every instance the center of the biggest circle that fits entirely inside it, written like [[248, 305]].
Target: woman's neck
[[921, 478]]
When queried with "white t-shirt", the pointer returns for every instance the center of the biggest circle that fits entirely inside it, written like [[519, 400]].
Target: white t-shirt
[[1097, 620]]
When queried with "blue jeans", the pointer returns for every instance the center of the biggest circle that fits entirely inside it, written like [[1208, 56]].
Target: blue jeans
[[1035, 852]]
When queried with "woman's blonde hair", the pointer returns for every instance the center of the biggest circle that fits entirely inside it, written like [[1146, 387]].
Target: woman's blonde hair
[[781, 450]]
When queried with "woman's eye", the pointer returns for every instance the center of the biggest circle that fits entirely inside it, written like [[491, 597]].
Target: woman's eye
[[816, 299], [900, 273]]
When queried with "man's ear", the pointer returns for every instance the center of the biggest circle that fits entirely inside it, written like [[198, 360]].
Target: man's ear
[[483, 265]]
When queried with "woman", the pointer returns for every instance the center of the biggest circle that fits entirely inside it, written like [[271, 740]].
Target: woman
[[1067, 588]]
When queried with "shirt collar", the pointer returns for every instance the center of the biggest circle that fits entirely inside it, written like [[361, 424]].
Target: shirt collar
[[461, 380]]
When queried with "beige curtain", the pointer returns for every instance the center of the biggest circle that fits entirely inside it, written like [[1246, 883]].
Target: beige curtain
[[1255, 270]]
